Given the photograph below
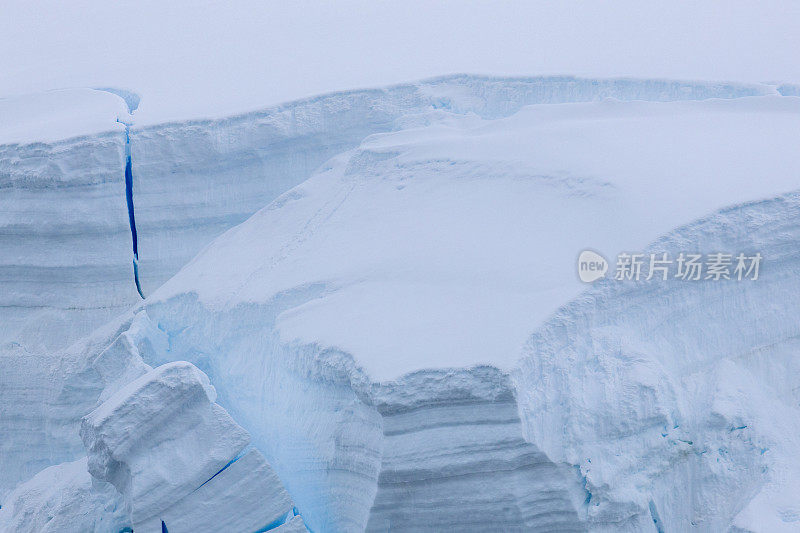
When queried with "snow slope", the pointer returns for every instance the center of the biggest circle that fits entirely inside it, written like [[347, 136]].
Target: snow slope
[[513, 199], [195, 179]]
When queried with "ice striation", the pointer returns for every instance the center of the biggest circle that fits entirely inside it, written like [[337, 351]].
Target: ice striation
[[177, 457], [245, 496], [454, 458], [364, 329]]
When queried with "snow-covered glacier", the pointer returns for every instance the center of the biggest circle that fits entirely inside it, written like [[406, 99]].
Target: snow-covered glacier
[[370, 299], [62, 158]]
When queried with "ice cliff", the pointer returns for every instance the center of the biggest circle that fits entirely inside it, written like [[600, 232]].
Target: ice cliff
[[398, 327]]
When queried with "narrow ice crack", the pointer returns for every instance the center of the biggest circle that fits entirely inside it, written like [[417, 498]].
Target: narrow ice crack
[[131, 100], [129, 201], [656, 518]]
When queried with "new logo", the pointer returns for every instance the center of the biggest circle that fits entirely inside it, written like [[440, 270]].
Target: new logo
[[591, 266]]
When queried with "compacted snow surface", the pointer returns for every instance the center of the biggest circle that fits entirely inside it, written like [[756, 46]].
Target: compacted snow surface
[[362, 312]]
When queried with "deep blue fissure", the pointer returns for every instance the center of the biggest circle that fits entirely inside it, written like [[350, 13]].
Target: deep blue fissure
[[654, 515], [131, 216]]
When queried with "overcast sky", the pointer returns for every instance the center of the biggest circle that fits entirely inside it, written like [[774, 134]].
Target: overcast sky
[[205, 58]]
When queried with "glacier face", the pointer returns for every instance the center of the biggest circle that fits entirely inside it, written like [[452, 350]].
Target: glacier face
[[365, 327]]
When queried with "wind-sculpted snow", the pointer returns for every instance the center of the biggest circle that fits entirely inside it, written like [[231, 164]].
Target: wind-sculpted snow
[[443, 244], [66, 265], [678, 400]]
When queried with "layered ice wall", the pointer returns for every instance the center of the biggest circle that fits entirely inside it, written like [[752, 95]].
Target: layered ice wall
[[365, 327], [64, 235], [454, 458]]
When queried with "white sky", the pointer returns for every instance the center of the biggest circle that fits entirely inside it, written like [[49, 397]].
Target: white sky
[[209, 58]]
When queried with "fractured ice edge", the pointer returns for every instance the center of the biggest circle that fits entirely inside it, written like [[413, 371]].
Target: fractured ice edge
[[365, 332]]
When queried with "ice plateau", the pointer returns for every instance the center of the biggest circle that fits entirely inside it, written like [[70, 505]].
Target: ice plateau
[[385, 301]]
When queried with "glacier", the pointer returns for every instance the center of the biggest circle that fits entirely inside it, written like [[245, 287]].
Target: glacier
[[193, 180], [380, 286]]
